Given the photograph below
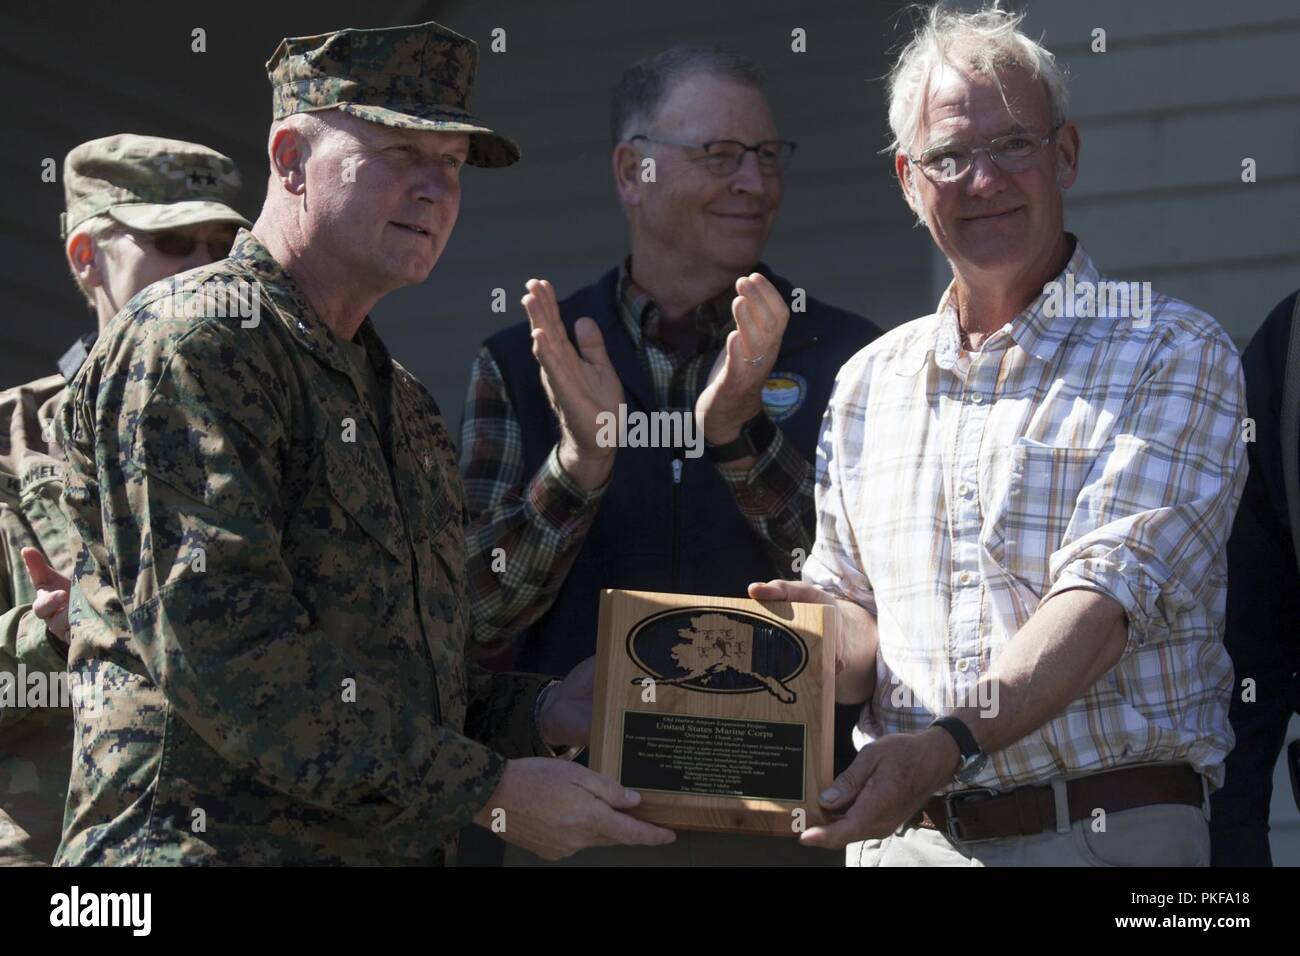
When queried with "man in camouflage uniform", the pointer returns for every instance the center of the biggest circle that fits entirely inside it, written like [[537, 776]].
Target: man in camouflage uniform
[[273, 587], [139, 208]]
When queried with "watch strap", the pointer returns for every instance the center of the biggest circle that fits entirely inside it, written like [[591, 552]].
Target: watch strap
[[966, 742], [754, 438]]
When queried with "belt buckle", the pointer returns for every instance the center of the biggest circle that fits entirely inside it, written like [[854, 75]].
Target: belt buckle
[[950, 801]]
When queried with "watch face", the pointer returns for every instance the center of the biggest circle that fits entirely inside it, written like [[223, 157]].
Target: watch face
[[971, 767]]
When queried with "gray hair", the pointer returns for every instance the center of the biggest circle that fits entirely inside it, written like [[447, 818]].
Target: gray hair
[[644, 85], [983, 41]]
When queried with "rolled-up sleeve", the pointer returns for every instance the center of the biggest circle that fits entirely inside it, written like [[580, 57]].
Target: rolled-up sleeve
[[1151, 523], [836, 564]]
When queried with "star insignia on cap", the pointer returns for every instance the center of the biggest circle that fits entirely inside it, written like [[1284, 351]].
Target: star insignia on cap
[[198, 178]]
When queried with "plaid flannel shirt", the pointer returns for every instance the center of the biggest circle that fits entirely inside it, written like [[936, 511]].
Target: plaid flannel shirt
[[957, 491]]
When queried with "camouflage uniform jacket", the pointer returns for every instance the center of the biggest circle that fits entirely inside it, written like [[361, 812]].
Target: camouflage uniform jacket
[[272, 594], [35, 739]]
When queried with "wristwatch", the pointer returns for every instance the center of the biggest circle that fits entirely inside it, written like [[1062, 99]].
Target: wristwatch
[[972, 758], [559, 753], [755, 435]]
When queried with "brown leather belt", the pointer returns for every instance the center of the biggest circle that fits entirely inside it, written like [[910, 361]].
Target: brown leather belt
[[970, 815]]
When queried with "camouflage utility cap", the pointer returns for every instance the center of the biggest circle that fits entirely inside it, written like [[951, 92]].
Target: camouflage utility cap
[[148, 184], [411, 77]]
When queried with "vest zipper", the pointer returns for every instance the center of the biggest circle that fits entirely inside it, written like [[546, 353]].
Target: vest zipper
[[676, 522]]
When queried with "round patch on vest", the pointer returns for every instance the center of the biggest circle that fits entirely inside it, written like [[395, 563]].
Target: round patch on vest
[[783, 393]]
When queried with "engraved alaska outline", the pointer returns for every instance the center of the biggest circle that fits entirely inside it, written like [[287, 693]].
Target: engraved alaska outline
[[774, 684]]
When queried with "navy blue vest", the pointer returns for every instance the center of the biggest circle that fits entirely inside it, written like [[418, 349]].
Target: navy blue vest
[[660, 526]]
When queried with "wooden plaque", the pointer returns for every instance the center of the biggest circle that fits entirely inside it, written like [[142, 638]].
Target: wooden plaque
[[718, 711]]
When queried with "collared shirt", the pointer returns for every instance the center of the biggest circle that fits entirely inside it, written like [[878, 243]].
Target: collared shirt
[[959, 490], [541, 520], [270, 605]]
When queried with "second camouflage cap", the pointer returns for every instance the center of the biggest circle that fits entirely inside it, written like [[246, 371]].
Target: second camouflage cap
[[148, 183], [411, 77]]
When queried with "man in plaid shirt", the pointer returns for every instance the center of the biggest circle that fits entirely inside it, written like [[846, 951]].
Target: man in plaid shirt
[[560, 513], [1022, 505]]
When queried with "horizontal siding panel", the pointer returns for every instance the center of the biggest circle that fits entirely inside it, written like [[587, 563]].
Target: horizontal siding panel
[[1207, 70], [1072, 23], [1188, 151], [1247, 223]]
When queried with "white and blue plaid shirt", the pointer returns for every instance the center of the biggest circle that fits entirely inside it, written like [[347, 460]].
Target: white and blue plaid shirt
[[957, 490]]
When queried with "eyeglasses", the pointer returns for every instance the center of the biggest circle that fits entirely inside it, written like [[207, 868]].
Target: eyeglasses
[[723, 157], [180, 245], [1013, 153]]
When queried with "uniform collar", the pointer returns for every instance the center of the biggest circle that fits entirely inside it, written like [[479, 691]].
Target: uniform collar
[[290, 304]]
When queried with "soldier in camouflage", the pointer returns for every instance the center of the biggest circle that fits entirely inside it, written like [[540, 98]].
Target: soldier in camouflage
[[272, 591], [138, 208]]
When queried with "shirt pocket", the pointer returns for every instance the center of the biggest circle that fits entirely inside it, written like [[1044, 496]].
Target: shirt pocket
[[361, 488], [1042, 494]]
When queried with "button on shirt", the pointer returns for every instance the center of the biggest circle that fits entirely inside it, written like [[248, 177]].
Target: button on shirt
[[959, 490]]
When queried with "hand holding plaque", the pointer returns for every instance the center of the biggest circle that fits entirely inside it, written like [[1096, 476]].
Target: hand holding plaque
[[718, 711]]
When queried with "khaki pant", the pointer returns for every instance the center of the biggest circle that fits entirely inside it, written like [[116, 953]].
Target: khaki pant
[[1157, 835]]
